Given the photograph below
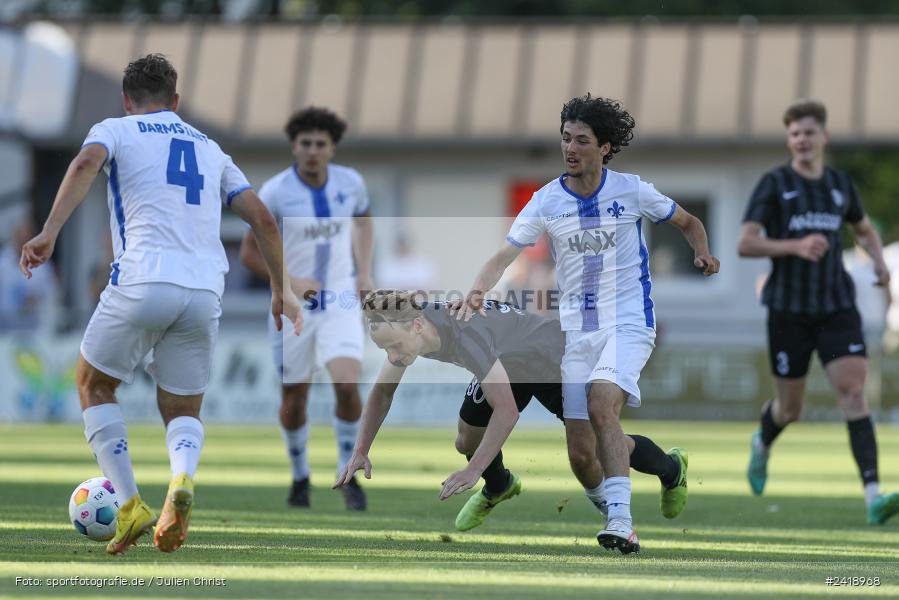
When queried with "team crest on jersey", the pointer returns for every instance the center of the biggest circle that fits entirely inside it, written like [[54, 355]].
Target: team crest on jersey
[[837, 196], [595, 241], [616, 210], [341, 197]]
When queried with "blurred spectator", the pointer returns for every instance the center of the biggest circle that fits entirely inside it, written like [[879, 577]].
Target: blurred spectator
[[406, 269], [871, 300], [891, 336], [26, 305]]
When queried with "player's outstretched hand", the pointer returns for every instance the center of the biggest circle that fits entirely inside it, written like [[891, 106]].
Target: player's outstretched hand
[[36, 252], [708, 263], [464, 310], [458, 482], [812, 247], [357, 461]]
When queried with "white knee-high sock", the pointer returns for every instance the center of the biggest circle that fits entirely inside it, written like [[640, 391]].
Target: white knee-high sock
[[345, 432], [104, 428], [296, 441], [184, 438], [595, 495], [618, 496]]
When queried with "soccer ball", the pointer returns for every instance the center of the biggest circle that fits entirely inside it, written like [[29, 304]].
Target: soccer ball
[[93, 508]]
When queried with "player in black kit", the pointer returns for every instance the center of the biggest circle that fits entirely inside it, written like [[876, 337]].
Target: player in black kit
[[811, 299], [514, 356]]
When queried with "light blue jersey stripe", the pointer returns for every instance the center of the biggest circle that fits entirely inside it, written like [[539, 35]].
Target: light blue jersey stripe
[[119, 213], [322, 251], [588, 213], [644, 278]]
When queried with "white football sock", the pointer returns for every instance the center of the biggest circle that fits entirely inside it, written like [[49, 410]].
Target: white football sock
[[872, 490], [595, 495], [345, 432], [296, 440], [617, 493], [184, 439], [104, 428]]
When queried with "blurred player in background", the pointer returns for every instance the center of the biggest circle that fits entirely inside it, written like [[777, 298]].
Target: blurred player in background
[[801, 206], [594, 218], [26, 306], [514, 356], [323, 212], [167, 182]]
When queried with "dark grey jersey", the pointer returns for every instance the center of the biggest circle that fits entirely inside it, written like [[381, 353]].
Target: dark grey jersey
[[529, 347], [790, 206]]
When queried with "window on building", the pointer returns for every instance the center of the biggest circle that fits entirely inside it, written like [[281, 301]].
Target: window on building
[[669, 253]]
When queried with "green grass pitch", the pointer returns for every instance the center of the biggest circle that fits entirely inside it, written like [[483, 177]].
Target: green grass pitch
[[809, 526]]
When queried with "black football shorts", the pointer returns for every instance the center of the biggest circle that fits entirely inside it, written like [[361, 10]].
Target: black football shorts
[[792, 337], [476, 410]]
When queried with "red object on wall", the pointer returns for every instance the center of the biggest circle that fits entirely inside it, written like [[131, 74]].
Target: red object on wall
[[518, 195]]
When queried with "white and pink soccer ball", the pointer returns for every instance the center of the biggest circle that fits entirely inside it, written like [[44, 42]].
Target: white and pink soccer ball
[[93, 508]]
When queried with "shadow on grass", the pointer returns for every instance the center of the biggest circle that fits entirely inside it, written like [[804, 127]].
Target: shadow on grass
[[252, 524]]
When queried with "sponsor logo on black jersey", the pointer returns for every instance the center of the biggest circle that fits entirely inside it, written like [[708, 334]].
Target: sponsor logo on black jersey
[[815, 220]]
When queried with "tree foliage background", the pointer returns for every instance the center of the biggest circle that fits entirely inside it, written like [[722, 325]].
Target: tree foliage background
[[481, 8]]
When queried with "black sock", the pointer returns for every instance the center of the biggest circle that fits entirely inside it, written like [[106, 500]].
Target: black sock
[[770, 429], [648, 458], [864, 448], [496, 476]]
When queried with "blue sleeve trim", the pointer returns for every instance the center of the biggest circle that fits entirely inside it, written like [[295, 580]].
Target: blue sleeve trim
[[669, 215], [108, 152], [364, 212], [239, 190], [516, 243]]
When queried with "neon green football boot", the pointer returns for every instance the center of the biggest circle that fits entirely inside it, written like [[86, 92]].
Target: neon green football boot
[[479, 505], [674, 498]]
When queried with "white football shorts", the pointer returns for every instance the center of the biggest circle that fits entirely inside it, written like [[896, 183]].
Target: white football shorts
[[336, 332], [180, 326], [617, 355]]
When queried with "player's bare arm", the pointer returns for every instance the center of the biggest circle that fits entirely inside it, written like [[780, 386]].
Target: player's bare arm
[[868, 238], [695, 234], [490, 274], [363, 243], [753, 244], [74, 187], [250, 208], [498, 393], [252, 258], [376, 409]]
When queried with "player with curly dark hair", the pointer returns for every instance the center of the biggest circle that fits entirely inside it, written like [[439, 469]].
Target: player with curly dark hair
[[314, 118], [594, 218], [328, 226], [610, 123]]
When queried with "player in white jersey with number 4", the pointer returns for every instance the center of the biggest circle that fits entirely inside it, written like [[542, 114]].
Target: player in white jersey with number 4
[[167, 183], [323, 210], [594, 218]]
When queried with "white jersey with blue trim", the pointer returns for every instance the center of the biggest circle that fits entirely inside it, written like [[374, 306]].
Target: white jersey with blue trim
[[602, 264], [316, 223], [167, 182]]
